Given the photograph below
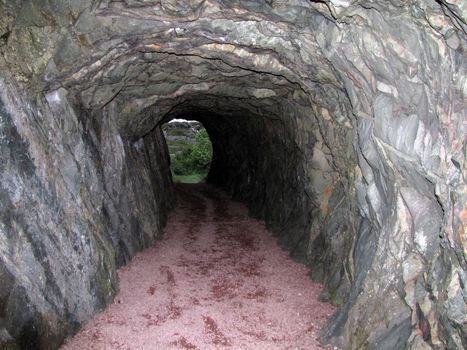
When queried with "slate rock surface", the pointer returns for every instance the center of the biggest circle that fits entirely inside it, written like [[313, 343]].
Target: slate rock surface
[[341, 123]]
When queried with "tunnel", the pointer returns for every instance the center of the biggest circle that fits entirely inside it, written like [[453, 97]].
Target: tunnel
[[341, 123]]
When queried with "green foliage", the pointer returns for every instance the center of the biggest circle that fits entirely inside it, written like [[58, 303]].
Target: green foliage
[[201, 153], [190, 179], [182, 163], [193, 159]]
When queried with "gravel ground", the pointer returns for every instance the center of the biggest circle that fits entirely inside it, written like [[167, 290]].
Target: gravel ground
[[217, 280]]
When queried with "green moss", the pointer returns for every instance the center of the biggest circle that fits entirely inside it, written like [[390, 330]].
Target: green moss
[[105, 287], [336, 298], [317, 272], [360, 339], [35, 46], [105, 282]]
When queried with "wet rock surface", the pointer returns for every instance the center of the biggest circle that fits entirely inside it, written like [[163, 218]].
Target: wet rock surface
[[341, 123]]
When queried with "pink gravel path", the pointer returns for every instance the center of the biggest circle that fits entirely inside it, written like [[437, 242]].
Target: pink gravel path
[[217, 280]]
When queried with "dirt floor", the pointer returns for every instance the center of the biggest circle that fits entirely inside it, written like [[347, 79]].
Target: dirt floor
[[217, 280]]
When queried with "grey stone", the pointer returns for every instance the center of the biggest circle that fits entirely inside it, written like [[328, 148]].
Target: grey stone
[[341, 123]]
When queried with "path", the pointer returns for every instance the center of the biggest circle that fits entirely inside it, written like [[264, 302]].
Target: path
[[217, 280]]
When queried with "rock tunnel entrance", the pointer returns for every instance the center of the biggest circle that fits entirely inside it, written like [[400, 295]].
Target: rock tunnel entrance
[[339, 123]]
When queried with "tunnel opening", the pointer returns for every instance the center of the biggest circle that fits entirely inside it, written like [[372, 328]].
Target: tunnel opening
[[190, 150], [341, 124], [257, 159]]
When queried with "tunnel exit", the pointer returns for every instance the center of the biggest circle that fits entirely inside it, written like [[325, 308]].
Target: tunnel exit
[[190, 150]]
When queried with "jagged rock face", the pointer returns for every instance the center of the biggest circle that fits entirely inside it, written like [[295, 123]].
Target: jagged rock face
[[342, 123]]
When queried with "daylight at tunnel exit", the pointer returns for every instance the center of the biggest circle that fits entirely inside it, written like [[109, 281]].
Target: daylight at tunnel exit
[[233, 174]]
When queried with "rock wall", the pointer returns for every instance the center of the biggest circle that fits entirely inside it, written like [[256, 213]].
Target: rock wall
[[342, 123], [77, 201]]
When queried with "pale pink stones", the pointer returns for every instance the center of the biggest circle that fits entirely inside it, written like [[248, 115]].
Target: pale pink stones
[[217, 280]]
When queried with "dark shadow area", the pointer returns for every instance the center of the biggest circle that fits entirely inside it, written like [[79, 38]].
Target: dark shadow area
[[256, 160]]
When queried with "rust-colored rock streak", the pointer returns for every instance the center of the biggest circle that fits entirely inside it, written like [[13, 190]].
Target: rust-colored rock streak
[[217, 280]]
